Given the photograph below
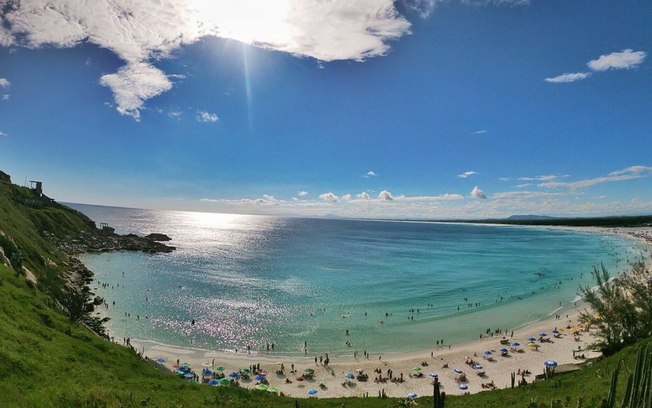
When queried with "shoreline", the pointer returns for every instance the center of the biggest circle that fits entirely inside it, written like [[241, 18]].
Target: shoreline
[[497, 372]]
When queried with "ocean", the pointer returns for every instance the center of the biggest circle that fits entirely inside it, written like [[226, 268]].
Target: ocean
[[238, 281]]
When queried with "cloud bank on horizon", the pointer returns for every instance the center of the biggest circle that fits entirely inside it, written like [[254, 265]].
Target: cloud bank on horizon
[[141, 33]]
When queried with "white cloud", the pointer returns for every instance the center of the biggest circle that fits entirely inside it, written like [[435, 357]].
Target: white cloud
[[467, 174], [570, 77], [4, 83], [629, 173], [371, 173], [435, 198], [363, 196], [141, 33], [385, 196], [480, 132], [175, 114], [549, 177], [477, 193], [3, 134], [203, 116], [133, 84], [4, 97], [302, 193], [329, 197], [626, 59], [346, 197]]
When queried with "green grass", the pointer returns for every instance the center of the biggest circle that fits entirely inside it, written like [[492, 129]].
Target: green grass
[[48, 361]]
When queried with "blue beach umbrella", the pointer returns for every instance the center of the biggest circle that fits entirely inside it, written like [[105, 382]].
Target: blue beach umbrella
[[206, 371], [550, 363], [312, 392], [234, 375], [463, 387], [214, 381], [188, 375], [542, 334], [477, 367], [487, 353], [161, 360], [503, 350], [555, 331], [531, 339], [260, 377], [433, 375], [516, 344], [457, 371], [411, 396], [349, 376]]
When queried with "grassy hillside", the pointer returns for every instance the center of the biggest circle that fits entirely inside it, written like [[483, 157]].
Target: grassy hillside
[[46, 360]]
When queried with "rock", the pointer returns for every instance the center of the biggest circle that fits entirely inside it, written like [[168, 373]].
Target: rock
[[158, 237]]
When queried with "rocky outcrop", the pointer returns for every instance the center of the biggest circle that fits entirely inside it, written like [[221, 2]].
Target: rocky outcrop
[[158, 237], [98, 241]]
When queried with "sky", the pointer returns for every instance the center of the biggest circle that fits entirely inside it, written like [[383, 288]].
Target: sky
[[433, 109]]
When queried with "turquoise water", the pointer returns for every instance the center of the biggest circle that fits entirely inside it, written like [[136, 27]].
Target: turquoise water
[[252, 280]]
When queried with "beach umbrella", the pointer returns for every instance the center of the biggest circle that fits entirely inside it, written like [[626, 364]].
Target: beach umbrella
[[272, 389], [312, 391], [309, 371], [214, 381], [531, 339], [463, 387], [225, 381], [206, 371], [457, 371], [542, 334], [477, 367], [188, 375], [261, 387], [487, 353], [220, 368], [503, 350], [555, 331], [433, 375], [417, 369], [299, 378], [180, 373], [411, 396], [550, 363], [516, 344], [234, 375], [245, 371], [260, 377], [161, 360], [349, 376]]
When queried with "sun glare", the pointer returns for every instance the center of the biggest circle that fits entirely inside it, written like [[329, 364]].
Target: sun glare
[[249, 21]]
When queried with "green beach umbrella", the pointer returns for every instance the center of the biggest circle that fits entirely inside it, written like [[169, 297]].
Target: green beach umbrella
[[417, 369], [225, 381], [309, 371], [245, 371], [261, 387], [272, 389], [220, 368]]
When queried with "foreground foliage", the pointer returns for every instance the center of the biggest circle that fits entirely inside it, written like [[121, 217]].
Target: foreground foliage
[[621, 308]]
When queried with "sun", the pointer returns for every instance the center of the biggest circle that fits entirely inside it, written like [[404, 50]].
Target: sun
[[248, 21]]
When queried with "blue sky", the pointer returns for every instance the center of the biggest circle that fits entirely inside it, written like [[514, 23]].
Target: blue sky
[[420, 109]]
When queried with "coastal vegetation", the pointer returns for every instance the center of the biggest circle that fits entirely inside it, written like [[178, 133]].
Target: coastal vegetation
[[50, 358], [621, 307]]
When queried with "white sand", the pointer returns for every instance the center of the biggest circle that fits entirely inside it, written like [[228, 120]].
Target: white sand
[[498, 370]]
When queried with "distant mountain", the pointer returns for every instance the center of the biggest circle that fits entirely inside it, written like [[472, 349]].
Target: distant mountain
[[529, 217]]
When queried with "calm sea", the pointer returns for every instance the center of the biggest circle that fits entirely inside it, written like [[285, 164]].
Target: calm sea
[[395, 286]]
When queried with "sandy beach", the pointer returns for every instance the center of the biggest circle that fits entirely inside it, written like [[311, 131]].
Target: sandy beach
[[567, 348]]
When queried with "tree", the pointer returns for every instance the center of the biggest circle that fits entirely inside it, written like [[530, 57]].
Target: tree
[[621, 308]]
